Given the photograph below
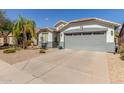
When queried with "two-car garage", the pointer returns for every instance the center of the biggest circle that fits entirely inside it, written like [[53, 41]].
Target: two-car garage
[[89, 34], [86, 40]]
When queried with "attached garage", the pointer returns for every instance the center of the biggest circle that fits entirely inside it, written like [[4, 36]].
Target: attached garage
[[89, 34], [86, 41]]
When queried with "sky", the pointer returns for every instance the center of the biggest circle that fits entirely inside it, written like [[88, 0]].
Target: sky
[[48, 17]]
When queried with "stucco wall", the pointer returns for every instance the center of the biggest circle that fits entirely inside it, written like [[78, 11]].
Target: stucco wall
[[50, 39], [62, 37], [1, 41], [85, 26], [10, 40], [110, 35]]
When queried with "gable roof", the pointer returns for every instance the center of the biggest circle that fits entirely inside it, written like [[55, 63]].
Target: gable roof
[[60, 22], [37, 30], [92, 19], [5, 33], [47, 29]]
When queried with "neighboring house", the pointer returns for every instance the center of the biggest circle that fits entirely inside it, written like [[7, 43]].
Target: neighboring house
[[10, 39], [89, 34], [48, 36], [6, 37], [1, 41], [121, 36]]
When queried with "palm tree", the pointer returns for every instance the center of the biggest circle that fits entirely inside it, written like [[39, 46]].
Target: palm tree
[[22, 27], [30, 28]]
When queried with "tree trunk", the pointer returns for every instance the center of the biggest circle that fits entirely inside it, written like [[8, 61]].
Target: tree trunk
[[24, 39], [15, 42], [5, 39]]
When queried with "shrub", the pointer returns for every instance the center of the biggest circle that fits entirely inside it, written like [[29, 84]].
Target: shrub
[[28, 43], [44, 45], [121, 51], [42, 51], [9, 50], [18, 48], [60, 47], [6, 44], [122, 56]]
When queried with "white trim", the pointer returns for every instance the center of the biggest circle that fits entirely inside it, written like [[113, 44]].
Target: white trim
[[109, 36], [97, 20], [62, 37]]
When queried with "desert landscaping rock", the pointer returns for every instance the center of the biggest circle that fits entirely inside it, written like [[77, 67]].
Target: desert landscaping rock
[[116, 69], [22, 55]]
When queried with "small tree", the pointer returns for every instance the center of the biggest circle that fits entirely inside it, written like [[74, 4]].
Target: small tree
[[5, 26], [116, 34]]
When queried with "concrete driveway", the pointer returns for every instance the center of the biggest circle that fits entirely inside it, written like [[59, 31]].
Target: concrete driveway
[[66, 66]]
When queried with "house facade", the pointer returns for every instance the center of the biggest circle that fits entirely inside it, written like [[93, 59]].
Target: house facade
[[88, 34], [48, 36]]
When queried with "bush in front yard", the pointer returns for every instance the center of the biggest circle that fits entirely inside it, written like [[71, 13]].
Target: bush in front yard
[[9, 50], [6, 44], [60, 47], [42, 51], [121, 50], [122, 56], [28, 42]]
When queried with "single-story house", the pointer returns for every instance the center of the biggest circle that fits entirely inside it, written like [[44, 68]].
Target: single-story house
[[49, 36], [89, 34], [121, 36]]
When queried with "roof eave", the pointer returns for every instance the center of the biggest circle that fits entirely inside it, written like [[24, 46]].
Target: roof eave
[[91, 19], [60, 22]]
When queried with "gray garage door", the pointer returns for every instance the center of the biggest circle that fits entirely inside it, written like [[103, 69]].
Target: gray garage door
[[86, 41]]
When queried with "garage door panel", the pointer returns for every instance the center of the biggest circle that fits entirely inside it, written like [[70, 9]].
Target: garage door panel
[[87, 42]]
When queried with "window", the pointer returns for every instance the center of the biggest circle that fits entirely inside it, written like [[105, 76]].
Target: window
[[76, 34], [73, 34], [98, 33], [68, 34], [45, 37], [87, 33]]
